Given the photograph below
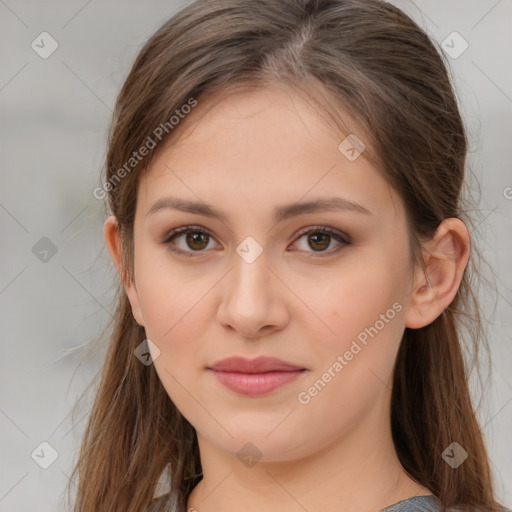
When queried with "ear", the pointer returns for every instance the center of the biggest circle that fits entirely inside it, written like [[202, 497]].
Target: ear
[[114, 243], [446, 256]]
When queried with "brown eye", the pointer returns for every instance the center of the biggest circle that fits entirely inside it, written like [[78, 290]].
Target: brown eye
[[188, 240], [319, 241], [197, 240]]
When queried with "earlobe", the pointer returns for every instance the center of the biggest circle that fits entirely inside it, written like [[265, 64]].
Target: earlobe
[[113, 240], [446, 256]]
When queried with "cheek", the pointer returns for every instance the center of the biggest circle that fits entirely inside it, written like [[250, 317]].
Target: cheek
[[176, 307], [362, 309], [175, 321], [177, 326], [353, 376], [343, 301], [169, 298]]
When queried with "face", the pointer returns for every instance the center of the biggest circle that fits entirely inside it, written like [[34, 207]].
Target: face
[[324, 290]]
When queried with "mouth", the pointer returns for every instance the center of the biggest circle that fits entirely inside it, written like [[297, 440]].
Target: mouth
[[255, 376]]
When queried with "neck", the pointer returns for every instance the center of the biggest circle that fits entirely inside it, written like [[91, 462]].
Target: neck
[[359, 472]]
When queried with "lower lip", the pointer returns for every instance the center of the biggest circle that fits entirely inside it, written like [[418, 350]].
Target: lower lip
[[256, 383]]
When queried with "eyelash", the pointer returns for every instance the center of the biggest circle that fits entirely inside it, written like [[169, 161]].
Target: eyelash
[[339, 237]]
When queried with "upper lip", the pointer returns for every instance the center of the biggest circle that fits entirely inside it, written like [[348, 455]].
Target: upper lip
[[260, 364]]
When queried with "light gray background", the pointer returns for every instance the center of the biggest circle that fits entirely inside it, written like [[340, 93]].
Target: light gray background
[[55, 117]]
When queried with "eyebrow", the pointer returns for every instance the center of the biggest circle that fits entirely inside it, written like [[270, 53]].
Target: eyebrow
[[280, 213]]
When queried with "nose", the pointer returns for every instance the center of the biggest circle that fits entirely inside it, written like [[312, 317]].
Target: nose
[[253, 299]]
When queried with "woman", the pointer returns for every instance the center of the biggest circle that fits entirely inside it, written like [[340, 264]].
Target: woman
[[284, 180]]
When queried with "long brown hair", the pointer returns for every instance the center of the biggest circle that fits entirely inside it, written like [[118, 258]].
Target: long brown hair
[[372, 60]]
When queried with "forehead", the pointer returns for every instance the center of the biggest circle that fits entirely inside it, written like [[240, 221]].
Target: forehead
[[266, 146], [276, 116]]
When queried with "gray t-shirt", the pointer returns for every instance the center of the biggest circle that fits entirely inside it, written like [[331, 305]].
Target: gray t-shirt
[[416, 504], [427, 503]]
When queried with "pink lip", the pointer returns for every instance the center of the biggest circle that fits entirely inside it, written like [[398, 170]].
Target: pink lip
[[255, 376]]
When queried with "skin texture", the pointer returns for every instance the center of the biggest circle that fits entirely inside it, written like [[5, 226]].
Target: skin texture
[[246, 154]]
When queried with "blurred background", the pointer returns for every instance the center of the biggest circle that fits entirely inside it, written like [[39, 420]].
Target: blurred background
[[63, 63]]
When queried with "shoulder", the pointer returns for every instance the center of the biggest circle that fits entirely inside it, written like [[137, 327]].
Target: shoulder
[[427, 503]]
